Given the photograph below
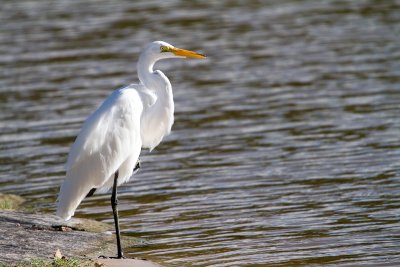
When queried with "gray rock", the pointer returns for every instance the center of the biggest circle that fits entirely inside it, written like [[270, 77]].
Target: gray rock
[[25, 236]]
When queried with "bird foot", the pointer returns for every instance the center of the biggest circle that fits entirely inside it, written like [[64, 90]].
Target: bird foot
[[105, 257]]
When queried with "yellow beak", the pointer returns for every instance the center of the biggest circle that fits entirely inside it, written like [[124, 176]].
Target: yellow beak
[[186, 53]]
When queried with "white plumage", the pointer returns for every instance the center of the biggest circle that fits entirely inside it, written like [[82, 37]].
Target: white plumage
[[110, 140]]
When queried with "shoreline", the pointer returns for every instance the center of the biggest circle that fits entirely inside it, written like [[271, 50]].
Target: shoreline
[[28, 236]]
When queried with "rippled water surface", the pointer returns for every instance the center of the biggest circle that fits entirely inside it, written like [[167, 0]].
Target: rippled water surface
[[285, 148]]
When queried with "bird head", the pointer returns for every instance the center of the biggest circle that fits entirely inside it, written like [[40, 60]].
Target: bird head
[[161, 50]]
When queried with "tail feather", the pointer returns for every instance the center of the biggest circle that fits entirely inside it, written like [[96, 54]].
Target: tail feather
[[69, 200], [73, 190]]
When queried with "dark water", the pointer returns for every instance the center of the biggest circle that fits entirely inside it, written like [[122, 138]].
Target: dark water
[[285, 150]]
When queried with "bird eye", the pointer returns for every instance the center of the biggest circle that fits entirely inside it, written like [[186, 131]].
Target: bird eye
[[164, 48]]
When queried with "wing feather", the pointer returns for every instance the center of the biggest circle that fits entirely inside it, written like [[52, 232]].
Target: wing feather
[[108, 141]]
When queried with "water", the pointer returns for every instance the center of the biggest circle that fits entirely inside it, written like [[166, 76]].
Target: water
[[285, 150]]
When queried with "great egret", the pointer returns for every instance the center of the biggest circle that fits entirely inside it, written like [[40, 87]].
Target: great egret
[[106, 152]]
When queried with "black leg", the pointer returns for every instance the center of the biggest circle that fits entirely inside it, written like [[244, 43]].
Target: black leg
[[114, 204], [91, 192], [137, 166]]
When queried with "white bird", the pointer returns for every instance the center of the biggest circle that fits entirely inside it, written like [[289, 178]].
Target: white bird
[[106, 151]]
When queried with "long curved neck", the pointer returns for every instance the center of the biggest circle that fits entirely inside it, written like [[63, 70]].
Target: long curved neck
[[154, 81], [145, 69], [158, 118]]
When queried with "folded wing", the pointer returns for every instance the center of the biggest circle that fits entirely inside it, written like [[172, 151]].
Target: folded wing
[[108, 141]]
